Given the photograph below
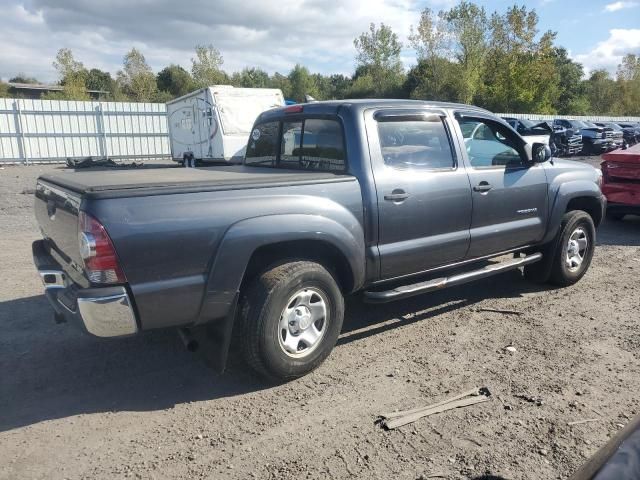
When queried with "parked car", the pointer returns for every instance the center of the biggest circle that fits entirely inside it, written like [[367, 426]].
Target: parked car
[[532, 132], [615, 136], [594, 138], [621, 182], [564, 141], [632, 129], [389, 198], [211, 125], [622, 136]]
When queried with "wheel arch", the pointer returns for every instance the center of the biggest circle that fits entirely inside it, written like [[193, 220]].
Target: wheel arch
[[253, 244]]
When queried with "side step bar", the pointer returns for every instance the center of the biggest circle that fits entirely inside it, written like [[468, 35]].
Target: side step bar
[[405, 291]]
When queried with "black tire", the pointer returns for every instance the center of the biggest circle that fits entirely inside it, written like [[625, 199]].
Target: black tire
[[616, 217], [552, 267], [561, 273], [262, 307]]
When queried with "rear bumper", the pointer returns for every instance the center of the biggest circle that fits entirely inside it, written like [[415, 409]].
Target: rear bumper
[[102, 311], [622, 195]]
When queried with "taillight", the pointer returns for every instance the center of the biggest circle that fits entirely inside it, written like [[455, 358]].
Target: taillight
[[97, 252]]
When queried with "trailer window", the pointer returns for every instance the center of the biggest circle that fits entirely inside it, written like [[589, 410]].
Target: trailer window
[[262, 148]]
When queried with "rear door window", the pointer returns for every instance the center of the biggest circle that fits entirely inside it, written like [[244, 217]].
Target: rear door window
[[416, 144]]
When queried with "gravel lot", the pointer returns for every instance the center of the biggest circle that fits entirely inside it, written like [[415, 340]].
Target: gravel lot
[[76, 407]]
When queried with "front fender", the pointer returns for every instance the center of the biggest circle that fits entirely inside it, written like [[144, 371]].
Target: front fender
[[566, 192], [243, 238]]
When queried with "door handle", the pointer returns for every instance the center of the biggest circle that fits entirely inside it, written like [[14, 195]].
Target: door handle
[[397, 195], [482, 187]]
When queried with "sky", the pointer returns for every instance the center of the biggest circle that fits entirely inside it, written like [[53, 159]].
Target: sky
[[272, 35]]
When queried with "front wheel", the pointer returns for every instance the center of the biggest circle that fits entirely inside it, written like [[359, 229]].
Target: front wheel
[[291, 316], [575, 248]]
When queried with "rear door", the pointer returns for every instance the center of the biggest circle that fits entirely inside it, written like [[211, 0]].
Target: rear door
[[423, 192], [509, 192]]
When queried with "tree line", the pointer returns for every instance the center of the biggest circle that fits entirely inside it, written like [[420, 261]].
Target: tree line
[[500, 61]]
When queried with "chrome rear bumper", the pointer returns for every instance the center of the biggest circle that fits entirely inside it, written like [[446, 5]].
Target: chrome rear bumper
[[104, 311]]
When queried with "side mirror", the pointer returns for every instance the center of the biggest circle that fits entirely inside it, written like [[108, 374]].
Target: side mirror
[[540, 153]]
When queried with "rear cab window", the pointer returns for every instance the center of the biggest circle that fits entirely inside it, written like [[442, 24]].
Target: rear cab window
[[315, 144]]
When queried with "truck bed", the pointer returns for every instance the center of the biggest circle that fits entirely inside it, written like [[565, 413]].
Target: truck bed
[[144, 182]]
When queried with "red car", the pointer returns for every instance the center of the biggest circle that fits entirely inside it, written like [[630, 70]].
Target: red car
[[621, 182]]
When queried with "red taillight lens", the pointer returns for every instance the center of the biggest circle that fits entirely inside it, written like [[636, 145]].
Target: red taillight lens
[[99, 256]]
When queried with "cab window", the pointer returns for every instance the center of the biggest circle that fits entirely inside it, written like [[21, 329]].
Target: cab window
[[491, 144], [416, 144]]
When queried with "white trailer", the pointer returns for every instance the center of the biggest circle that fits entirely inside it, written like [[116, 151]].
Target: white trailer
[[213, 124]]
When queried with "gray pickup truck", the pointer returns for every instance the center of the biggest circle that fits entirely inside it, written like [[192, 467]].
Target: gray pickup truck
[[388, 198]]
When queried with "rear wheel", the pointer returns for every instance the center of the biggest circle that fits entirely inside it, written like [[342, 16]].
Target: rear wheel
[[290, 317]]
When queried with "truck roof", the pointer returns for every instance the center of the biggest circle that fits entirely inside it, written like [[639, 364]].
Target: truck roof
[[331, 107]]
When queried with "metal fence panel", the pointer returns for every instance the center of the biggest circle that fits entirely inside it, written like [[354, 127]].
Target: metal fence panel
[[590, 118], [54, 130]]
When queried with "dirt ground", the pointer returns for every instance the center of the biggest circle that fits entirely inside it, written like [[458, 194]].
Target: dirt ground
[[76, 407]]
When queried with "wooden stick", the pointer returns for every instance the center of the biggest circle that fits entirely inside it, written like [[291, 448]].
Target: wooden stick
[[398, 422], [388, 416], [579, 422]]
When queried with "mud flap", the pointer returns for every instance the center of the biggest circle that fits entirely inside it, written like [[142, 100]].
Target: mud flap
[[214, 340]]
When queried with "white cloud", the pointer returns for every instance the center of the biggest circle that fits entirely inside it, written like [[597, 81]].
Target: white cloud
[[608, 53], [615, 6], [271, 35]]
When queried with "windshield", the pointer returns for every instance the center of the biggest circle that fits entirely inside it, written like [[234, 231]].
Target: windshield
[[591, 125], [528, 123], [578, 124]]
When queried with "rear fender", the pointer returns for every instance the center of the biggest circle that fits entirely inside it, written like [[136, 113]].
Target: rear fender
[[245, 237]]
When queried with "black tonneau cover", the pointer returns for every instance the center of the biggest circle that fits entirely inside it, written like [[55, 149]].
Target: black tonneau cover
[[124, 183]]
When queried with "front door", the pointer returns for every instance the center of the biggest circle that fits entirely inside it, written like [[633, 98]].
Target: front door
[[423, 192], [510, 194]]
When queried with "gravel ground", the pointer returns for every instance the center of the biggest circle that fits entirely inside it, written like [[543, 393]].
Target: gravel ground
[[77, 407]]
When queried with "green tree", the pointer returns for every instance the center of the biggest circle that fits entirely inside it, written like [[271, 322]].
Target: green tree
[[4, 90], [602, 92], [282, 82], [430, 77], [251, 78], [72, 75], [571, 96], [378, 57], [301, 83], [206, 67], [100, 80], [451, 49], [175, 80], [628, 80], [22, 78], [520, 75], [467, 28], [136, 78]]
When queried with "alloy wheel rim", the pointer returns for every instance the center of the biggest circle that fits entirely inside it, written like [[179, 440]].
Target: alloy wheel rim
[[303, 322], [577, 247]]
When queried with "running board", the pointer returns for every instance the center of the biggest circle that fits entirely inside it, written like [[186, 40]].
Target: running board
[[405, 291]]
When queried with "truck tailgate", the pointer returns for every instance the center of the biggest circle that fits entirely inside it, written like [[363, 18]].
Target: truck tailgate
[[56, 210]]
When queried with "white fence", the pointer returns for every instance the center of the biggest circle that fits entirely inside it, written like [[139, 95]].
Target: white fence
[[33, 131], [590, 118]]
